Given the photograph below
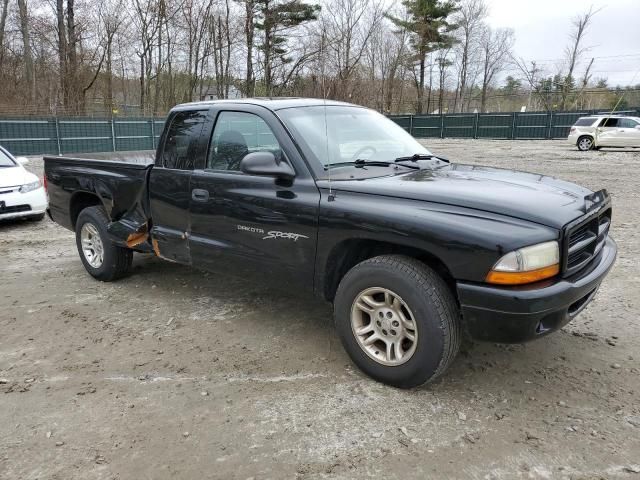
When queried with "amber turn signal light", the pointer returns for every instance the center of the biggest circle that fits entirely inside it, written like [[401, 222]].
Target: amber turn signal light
[[521, 278]]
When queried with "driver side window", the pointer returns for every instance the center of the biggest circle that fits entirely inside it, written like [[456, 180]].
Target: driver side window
[[235, 135], [627, 123]]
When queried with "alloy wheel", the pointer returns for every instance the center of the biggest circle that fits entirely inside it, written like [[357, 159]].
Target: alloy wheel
[[92, 246], [384, 326]]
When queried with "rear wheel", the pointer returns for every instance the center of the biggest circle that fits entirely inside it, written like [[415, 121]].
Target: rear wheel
[[585, 143], [398, 320], [100, 257]]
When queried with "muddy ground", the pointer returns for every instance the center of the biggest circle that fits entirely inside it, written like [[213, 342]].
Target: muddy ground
[[171, 373]]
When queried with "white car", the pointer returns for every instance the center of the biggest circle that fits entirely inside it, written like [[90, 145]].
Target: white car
[[597, 131], [21, 192]]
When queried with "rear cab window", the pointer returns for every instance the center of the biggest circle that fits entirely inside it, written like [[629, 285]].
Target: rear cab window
[[584, 122], [181, 145]]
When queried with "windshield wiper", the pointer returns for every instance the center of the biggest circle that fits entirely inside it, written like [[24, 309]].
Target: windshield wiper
[[419, 156], [361, 163]]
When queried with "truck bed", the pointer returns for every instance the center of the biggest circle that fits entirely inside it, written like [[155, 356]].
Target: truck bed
[[137, 157], [118, 182]]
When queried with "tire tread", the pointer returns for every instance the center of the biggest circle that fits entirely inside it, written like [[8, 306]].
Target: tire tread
[[122, 257], [433, 286]]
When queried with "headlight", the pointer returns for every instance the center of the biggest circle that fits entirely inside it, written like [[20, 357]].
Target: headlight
[[527, 265], [30, 187]]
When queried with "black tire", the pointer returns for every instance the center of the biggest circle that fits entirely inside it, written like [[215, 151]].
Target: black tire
[[585, 143], [36, 218], [432, 303], [116, 260]]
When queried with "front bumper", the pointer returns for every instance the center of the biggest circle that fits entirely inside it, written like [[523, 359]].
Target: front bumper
[[520, 314], [23, 204]]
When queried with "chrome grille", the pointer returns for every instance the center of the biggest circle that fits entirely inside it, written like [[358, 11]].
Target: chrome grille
[[585, 240]]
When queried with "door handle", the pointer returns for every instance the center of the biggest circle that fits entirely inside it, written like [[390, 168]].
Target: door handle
[[199, 195]]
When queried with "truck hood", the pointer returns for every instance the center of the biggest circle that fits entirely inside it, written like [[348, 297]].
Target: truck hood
[[15, 176], [528, 196]]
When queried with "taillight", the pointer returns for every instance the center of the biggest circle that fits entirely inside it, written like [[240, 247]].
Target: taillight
[[44, 182]]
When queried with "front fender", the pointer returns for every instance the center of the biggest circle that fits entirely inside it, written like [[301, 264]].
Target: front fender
[[468, 242]]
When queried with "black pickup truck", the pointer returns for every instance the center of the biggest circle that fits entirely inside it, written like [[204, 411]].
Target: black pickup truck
[[412, 250]]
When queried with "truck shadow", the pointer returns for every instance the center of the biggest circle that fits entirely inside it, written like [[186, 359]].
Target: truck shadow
[[15, 223], [305, 324]]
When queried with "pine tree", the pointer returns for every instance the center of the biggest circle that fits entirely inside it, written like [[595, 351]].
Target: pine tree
[[430, 26], [274, 18]]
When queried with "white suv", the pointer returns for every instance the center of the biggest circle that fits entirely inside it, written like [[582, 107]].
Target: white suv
[[597, 131]]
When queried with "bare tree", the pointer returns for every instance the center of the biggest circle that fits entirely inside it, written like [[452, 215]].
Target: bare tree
[[62, 52], [495, 46], [221, 41], [72, 58], [350, 25], [27, 54], [147, 24], [111, 18], [470, 21], [444, 62], [3, 24], [531, 75], [249, 32], [574, 52]]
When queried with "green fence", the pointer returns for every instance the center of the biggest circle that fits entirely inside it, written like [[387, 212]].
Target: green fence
[[59, 136], [511, 125]]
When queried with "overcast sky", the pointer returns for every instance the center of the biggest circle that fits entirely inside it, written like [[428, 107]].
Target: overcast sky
[[542, 28]]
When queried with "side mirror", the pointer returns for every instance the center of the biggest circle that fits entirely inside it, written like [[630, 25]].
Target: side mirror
[[637, 127], [265, 163], [22, 160]]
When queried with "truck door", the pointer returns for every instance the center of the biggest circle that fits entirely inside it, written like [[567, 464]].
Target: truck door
[[250, 224], [169, 183]]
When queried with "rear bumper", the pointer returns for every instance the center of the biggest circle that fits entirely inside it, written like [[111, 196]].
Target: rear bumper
[[573, 138], [516, 315]]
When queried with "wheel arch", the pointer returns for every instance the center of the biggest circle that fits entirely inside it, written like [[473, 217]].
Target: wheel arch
[[348, 253], [78, 202]]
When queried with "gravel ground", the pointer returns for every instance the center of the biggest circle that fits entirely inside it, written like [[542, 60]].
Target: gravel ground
[[172, 373]]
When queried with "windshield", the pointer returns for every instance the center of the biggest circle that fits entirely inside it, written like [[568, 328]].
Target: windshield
[[334, 135], [6, 160]]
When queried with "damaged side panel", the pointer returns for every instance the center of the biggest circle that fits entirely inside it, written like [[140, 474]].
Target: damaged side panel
[[169, 204], [131, 214], [120, 186]]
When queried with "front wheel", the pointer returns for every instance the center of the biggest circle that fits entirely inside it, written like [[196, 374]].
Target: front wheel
[[397, 320], [585, 143], [101, 258]]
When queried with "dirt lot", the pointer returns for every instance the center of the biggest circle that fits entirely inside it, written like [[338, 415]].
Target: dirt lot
[[171, 373]]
